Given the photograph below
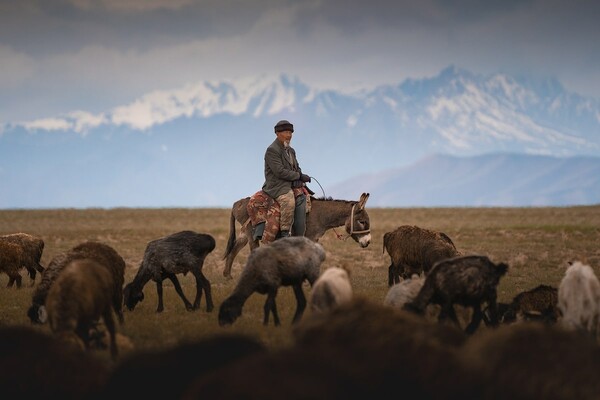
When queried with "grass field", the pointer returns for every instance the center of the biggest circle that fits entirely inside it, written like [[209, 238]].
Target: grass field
[[535, 242]]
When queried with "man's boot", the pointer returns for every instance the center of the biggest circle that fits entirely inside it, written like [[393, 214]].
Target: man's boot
[[283, 234]]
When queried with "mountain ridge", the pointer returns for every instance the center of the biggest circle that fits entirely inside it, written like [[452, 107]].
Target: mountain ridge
[[206, 141]]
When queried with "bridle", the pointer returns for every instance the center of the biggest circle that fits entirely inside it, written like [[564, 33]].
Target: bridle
[[352, 231]]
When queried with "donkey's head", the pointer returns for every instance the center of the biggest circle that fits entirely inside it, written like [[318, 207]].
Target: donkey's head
[[358, 224]]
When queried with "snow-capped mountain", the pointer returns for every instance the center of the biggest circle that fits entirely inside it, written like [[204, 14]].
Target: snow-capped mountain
[[203, 144]]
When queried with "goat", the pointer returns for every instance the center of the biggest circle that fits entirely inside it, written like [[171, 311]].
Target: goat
[[285, 262], [10, 262], [178, 253], [414, 250], [82, 294], [579, 299], [33, 247], [97, 251], [332, 288], [464, 280]]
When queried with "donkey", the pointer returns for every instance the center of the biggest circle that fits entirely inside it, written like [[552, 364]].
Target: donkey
[[325, 214]]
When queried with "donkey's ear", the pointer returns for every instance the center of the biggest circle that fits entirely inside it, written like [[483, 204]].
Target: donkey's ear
[[363, 200]]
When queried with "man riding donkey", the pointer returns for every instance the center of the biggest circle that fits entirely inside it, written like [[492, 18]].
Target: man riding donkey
[[279, 209]]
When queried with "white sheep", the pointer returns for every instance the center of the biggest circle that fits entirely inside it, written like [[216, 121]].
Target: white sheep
[[404, 292], [81, 294], [579, 299], [285, 262], [332, 288]]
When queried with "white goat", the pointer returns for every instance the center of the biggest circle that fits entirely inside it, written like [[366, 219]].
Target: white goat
[[331, 289], [579, 299]]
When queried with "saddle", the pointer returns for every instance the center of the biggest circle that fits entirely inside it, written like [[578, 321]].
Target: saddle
[[263, 209]]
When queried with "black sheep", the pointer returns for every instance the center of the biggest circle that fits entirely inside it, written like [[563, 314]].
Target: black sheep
[[465, 280], [178, 253]]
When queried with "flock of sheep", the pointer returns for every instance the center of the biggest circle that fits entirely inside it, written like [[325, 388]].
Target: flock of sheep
[[362, 348]]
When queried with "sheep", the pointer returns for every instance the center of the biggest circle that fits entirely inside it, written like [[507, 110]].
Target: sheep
[[537, 304], [10, 262], [165, 257], [414, 250], [358, 350], [178, 365], [332, 288], [285, 262], [579, 299], [533, 361], [81, 294], [100, 252], [35, 364], [404, 292], [33, 247], [464, 280]]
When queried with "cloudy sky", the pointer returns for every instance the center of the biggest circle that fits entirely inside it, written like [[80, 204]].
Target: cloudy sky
[[60, 56]]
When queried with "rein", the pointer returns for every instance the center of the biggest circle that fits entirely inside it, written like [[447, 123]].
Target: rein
[[352, 231]]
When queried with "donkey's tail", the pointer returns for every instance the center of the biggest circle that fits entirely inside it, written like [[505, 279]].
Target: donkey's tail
[[231, 240]]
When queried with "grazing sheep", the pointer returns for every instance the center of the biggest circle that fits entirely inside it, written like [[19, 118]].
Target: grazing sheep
[[10, 262], [465, 280], [579, 299], [178, 253], [33, 247], [332, 288], [286, 262], [100, 252], [36, 365], [537, 304], [533, 361], [414, 250], [404, 292], [81, 294], [358, 350]]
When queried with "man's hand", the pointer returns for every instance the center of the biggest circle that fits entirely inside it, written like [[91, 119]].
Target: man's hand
[[304, 178]]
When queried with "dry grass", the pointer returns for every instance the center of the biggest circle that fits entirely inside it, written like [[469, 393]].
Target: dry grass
[[535, 242]]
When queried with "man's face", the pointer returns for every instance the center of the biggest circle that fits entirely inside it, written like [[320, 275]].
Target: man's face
[[285, 137]]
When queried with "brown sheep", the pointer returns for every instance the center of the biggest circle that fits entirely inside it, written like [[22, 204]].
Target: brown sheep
[[10, 262], [178, 365], [414, 250], [468, 281], [36, 365], [533, 361], [81, 294], [359, 349], [537, 304], [100, 252], [33, 247]]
